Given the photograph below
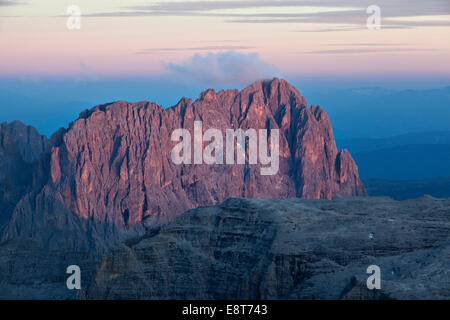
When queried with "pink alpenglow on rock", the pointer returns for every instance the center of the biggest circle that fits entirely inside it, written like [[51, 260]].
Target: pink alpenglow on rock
[[112, 167], [214, 152]]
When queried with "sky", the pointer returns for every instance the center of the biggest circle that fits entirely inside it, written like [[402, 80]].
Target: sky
[[162, 50]]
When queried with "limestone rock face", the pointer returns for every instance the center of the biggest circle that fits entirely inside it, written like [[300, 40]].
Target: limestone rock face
[[113, 165], [287, 249], [110, 175], [28, 271], [251, 249], [22, 141], [21, 147], [104, 194]]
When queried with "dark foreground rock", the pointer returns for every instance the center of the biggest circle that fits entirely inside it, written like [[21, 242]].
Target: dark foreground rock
[[287, 249], [21, 148], [255, 249]]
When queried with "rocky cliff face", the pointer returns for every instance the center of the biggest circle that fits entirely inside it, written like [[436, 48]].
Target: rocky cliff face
[[21, 148], [287, 249], [255, 249], [112, 169]]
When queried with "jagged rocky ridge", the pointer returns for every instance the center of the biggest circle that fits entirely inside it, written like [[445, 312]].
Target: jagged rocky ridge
[[256, 249], [287, 249], [21, 148], [109, 175]]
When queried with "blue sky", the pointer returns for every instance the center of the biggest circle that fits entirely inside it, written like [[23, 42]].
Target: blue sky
[[163, 50]]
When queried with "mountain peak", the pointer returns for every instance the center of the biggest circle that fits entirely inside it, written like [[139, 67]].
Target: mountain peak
[[209, 94], [113, 168]]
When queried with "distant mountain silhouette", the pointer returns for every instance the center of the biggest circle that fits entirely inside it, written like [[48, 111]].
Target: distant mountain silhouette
[[405, 166], [413, 156], [405, 162], [110, 173], [358, 145], [377, 112], [408, 189]]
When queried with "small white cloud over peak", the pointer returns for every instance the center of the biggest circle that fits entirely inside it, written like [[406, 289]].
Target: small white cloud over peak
[[223, 68]]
